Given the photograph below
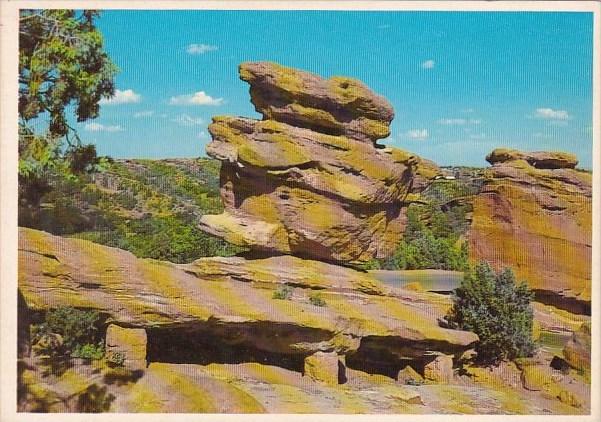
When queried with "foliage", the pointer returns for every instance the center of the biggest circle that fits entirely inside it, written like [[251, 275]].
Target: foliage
[[88, 351], [442, 191], [283, 293], [61, 64], [372, 264], [435, 247], [115, 358], [74, 332], [62, 61], [498, 310], [133, 205], [316, 300]]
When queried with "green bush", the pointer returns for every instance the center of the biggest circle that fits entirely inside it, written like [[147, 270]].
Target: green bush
[[88, 351], [115, 358], [498, 310], [68, 331], [436, 246], [283, 293], [317, 300]]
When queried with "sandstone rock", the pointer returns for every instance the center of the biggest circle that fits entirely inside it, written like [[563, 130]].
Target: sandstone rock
[[405, 396], [440, 370], [534, 378], [130, 343], [539, 159], [468, 355], [570, 399], [308, 180], [229, 300], [340, 105], [577, 352], [538, 222], [408, 375], [323, 367]]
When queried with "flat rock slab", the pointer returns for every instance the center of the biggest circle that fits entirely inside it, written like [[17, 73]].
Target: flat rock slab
[[233, 298]]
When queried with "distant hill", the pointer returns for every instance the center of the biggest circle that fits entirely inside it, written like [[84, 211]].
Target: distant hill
[[149, 207]]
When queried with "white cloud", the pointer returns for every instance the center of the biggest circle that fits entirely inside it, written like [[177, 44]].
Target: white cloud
[[186, 120], [97, 127], [452, 121], [550, 114], [457, 121], [127, 96], [428, 64], [198, 98], [200, 48], [145, 113], [418, 134]]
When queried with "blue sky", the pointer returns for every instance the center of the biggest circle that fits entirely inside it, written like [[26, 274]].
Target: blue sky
[[461, 83]]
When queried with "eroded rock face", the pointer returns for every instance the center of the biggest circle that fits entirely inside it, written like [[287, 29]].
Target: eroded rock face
[[534, 215], [308, 180], [230, 301]]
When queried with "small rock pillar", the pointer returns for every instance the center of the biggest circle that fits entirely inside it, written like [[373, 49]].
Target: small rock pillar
[[130, 343], [328, 368]]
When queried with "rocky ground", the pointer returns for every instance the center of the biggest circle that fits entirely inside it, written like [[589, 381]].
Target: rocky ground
[[294, 323], [257, 388], [265, 341]]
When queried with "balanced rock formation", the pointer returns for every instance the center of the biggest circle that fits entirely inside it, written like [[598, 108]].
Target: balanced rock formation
[[227, 305], [534, 214], [309, 180]]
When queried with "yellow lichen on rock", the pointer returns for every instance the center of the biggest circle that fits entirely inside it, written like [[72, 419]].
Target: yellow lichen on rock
[[324, 367]]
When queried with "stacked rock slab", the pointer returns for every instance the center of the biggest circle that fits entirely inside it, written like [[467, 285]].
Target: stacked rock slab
[[309, 180], [534, 214], [230, 302]]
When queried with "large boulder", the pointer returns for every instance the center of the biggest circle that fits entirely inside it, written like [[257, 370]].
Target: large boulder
[[534, 215], [577, 351], [339, 105], [308, 180], [226, 303]]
